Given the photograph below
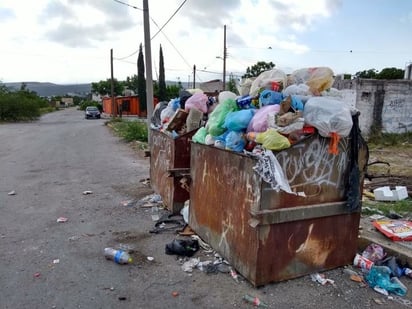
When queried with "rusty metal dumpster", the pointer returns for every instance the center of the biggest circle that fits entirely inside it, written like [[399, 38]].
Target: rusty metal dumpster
[[169, 163], [271, 236]]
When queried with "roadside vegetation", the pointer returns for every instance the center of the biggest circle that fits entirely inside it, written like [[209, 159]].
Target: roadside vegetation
[[22, 105], [129, 130]]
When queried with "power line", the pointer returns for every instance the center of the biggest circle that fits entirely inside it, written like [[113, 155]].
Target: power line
[[160, 30], [132, 6], [177, 10]]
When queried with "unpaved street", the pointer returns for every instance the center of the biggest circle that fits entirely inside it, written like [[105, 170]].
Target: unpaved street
[[45, 264]]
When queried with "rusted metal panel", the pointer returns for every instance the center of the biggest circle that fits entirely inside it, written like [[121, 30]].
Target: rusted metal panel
[[166, 156], [273, 236]]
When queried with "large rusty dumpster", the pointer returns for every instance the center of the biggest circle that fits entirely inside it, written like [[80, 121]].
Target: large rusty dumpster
[[169, 163], [271, 236]]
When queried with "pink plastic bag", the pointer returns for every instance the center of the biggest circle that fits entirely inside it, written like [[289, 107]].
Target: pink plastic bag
[[197, 101], [259, 122]]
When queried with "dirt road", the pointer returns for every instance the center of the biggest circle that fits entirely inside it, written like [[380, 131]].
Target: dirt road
[[45, 264]]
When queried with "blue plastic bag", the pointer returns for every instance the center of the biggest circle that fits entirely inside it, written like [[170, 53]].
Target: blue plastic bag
[[235, 141], [239, 120], [380, 276], [270, 97]]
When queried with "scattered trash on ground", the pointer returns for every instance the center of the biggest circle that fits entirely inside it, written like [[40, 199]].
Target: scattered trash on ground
[[396, 230], [62, 219], [150, 258], [182, 247], [145, 181], [320, 278], [168, 222], [56, 261], [150, 200], [87, 192], [36, 275], [255, 301], [127, 203], [118, 256], [381, 272], [387, 194], [234, 275], [155, 213], [175, 294], [12, 193]]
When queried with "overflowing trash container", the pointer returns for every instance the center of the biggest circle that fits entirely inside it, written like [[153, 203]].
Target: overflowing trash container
[[268, 235], [172, 127], [277, 175], [169, 164], [276, 172]]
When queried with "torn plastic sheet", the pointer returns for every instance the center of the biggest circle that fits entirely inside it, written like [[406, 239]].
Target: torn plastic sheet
[[269, 169]]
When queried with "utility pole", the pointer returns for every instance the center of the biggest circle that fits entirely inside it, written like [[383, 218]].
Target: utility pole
[[224, 58], [194, 76], [148, 58], [112, 84]]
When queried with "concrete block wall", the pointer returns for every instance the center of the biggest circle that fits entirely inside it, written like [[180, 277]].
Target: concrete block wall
[[383, 104]]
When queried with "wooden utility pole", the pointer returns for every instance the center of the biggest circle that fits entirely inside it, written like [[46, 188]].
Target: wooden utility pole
[[148, 58], [112, 84], [224, 58], [194, 76]]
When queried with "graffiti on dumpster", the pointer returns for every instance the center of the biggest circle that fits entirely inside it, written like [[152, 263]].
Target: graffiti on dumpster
[[314, 251], [314, 165]]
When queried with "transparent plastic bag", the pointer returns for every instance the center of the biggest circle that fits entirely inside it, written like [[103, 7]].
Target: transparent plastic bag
[[318, 78], [328, 116], [265, 80], [225, 95]]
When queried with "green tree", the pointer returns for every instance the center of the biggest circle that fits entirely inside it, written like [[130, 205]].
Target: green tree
[[371, 73], [391, 73], [258, 68], [103, 87], [141, 81], [386, 73], [162, 82], [231, 85], [172, 91]]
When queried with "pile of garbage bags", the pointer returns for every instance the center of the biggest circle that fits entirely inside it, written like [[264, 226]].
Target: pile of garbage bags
[[273, 111]]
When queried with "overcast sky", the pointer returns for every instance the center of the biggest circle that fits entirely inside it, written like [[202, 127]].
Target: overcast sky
[[69, 41]]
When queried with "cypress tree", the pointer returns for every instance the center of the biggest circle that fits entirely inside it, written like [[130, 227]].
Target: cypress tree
[[162, 82], [141, 81]]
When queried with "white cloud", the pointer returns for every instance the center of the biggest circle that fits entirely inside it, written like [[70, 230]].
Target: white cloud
[[70, 40]]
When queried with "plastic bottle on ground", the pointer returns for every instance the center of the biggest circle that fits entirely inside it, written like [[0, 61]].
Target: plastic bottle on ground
[[118, 256], [155, 213], [255, 301]]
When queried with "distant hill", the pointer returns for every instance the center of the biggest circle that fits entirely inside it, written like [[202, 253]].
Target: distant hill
[[50, 89]]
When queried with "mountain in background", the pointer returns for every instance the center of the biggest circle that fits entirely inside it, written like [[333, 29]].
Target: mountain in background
[[50, 89]]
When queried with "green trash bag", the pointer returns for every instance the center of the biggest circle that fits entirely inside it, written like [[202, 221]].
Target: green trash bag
[[215, 124], [200, 136]]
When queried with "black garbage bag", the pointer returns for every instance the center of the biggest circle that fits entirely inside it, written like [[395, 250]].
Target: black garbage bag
[[182, 247], [184, 95]]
